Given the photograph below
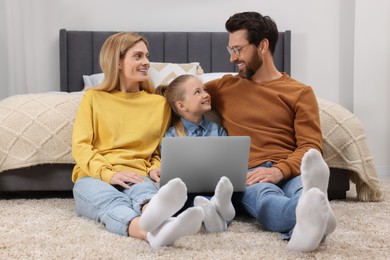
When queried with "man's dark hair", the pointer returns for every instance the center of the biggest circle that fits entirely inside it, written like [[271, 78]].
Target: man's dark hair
[[258, 27]]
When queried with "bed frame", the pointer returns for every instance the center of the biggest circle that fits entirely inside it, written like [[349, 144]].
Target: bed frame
[[79, 52]]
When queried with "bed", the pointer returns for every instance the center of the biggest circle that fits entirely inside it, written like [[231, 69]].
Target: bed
[[44, 162]]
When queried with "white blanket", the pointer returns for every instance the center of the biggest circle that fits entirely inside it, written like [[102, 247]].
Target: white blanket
[[37, 129], [345, 146]]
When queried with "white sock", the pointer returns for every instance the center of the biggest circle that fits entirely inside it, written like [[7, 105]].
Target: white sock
[[315, 173], [213, 222], [332, 222], [169, 199], [222, 199], [187, 223], [312, 214]]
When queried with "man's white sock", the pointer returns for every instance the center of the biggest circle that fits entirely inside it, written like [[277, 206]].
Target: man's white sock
[[315, 173], [312, 214]]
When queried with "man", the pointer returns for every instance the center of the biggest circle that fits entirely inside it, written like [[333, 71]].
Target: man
[[287, 178]]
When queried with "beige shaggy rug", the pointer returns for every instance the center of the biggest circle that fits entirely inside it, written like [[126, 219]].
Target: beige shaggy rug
[[48, 228]]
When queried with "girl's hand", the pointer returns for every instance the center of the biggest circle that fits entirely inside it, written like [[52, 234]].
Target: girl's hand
[[155, 174], [124, 177]]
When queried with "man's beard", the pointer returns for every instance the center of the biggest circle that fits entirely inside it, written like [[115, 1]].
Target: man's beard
[[251, 66]]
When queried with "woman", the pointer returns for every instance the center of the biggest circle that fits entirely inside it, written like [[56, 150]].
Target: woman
[[115, 143]]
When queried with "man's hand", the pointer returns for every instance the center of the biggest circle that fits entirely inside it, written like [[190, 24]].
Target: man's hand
[[123, 177], [261, 174], [155, 175]]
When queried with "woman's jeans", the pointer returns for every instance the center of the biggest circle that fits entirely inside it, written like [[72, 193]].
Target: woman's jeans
[[273, 206], [113, 206]]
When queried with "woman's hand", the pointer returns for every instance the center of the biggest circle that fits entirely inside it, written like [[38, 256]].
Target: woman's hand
[[155, 174], [123, 177]]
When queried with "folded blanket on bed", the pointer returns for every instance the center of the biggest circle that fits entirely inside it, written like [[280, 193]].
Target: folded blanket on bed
[[345, 147], [37, 129]]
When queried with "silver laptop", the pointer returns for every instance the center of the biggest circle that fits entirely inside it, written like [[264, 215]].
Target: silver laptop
[[200, 162]]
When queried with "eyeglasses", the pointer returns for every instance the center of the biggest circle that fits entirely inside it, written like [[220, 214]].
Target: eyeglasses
[[235, 49]]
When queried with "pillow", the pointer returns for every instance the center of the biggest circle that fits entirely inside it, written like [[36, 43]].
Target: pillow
[[159, 73], [92, 80], [215, 75], [164, 73]]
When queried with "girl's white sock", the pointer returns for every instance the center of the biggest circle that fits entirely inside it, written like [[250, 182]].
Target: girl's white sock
[[222, 199], [220, 209], [213, 222]]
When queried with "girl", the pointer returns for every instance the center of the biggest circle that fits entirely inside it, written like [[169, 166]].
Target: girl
[[189, 101], [115, 143]]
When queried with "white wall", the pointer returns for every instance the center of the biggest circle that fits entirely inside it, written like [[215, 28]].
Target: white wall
[[372, 77], [3, 53], [339, 47], [37, 23]]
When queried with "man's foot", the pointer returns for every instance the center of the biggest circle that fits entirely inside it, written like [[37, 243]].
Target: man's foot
[[312, 215], [314, 171], [315, 174]]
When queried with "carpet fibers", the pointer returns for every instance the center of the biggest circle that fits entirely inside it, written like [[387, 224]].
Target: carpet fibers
[[48, 228]]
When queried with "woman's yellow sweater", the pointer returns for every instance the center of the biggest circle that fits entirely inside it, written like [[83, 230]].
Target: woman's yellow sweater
[[117, 131]]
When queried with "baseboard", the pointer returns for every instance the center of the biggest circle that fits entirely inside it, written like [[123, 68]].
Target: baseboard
[[383, 170]]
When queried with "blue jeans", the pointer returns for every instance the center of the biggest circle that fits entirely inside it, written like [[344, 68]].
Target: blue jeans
[[113, 206], [273, 206]]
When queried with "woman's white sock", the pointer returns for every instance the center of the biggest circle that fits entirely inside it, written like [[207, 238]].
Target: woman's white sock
[[187, 223], [169, 200]]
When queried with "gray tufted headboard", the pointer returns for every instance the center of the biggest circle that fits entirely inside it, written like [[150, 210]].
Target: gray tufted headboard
[[79, 52]]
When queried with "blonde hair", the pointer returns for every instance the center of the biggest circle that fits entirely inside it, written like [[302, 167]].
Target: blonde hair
[[174, 92], [113, 50]]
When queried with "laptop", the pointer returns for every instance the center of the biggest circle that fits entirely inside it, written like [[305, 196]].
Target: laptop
[[200, 162]]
